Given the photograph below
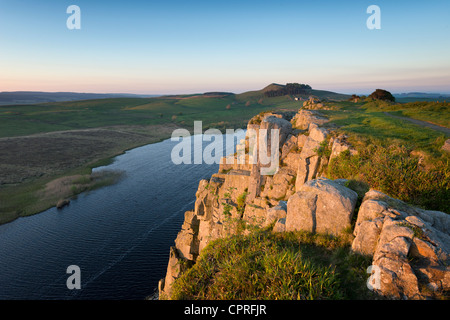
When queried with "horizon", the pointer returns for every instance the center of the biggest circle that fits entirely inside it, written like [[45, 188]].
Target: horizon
[[239, 92], [172, 47]]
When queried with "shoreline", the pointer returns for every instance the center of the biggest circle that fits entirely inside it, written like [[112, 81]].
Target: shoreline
[[67, 185], [39, 194]]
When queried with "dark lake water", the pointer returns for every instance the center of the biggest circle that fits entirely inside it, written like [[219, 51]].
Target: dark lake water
[[119, 235]]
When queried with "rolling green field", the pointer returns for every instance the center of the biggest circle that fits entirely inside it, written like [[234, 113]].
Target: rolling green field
[[276, 266], [215, 110], [367, 122], [50, 146], [182, 110], [402, 159], [44, 142]]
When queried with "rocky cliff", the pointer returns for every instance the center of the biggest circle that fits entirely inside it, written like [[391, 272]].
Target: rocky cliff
[[410, 247]]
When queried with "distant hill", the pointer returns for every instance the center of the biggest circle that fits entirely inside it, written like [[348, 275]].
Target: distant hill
[[273, 87], [321, 94], [31, 97], [421, 95]]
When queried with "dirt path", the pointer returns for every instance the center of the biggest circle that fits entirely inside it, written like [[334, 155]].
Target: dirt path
[[422, 123]]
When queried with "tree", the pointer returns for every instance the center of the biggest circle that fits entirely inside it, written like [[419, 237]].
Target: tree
[[289, 89], [381, 94], [355, 98]]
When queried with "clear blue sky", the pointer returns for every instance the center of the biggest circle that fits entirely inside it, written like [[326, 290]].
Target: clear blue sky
[[197, 46]]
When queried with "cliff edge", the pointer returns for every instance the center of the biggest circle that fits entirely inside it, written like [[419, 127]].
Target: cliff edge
[[409, 246]]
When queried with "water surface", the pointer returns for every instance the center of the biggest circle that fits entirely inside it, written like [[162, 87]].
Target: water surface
[[119, 235]]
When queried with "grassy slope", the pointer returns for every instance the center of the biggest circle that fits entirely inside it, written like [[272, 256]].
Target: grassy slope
[[263, 265], [284, 266], [434, 112], [397, 157], [300, 265], [367, 122], [30, 119], [139, 117]]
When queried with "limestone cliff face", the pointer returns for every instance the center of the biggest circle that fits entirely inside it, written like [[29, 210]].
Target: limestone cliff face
[[297, 197]]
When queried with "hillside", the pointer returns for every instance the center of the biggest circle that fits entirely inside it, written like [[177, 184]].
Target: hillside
[[357, 208], [321, 94], [41, 144], [27, 97], [233, 110]]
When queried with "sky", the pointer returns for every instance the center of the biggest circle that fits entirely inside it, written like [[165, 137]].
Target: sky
[[172, 46]]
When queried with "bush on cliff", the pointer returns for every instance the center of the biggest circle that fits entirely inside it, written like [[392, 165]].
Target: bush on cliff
[[394, 171], [266, 265], [381, 94]]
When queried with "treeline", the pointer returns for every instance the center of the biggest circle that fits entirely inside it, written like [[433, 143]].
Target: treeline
[[289, 89]]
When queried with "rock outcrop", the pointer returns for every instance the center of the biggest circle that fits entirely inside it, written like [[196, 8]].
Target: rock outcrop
[[321, 205], [339, 145], [446, 146], [309, 159], [304, 118], [314, 103], [410, 247]]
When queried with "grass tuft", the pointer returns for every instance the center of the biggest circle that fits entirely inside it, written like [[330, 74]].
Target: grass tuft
[[286, 266]]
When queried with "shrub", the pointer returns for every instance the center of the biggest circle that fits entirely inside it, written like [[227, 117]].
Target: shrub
[[381, 94], [393, 171], [263, 265], [240, 201], [323, 150]]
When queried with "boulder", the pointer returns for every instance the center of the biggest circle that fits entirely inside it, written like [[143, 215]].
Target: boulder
[[446, 146], [280, 225], [283, 125], [410, 246], [437, 278], [397, 277], [321, 205], [254, 215], [368, 226], [276, 213], [208, 231], [317, 133], [304, 118], [369, 232], [339, 145], [288, 146], [291, 161], [176, 266], [301, 140], [280, 184], [186, 241], [62, 203], [309, 160]]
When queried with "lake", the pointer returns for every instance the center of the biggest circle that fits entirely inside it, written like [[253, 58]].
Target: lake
[[118, 235]]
